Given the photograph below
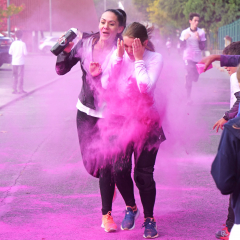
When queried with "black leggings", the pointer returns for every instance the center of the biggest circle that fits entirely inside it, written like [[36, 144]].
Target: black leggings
[[118, 168]]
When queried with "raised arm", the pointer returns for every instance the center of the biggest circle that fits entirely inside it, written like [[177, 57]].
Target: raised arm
[[148, 73], [115, 65], [225, 60], [66, 60]]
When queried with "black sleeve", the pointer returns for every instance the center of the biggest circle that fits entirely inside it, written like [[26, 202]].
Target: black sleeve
[[224, 166], [232, 113], [183, 44], [65, 61], [202, 45], [229, 60]]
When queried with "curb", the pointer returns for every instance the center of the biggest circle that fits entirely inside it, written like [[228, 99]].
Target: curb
[[36, 89]]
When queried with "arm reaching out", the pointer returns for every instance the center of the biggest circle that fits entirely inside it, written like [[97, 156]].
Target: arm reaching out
[[208, 60], [225, 60]]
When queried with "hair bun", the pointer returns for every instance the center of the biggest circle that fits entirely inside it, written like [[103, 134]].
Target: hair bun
[[124, 15]]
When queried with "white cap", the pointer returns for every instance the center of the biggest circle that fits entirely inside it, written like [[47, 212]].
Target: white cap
[[75, 30]]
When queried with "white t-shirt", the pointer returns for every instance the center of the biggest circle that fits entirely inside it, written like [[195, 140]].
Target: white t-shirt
[[192, 50], [18, 50], [234, 87]]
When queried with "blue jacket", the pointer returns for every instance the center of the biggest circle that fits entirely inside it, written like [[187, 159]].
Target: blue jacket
[[226, 165]]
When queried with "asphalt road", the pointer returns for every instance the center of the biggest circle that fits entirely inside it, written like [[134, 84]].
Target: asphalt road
[[45, 192]]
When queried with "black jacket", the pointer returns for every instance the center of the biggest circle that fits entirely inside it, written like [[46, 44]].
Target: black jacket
[[90, 85]]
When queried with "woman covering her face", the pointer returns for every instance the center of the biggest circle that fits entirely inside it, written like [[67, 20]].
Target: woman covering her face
[[135, 69]]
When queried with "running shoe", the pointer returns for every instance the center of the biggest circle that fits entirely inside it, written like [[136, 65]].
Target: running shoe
[[128, 223], [107, 223], [223, 234], [150, 228]]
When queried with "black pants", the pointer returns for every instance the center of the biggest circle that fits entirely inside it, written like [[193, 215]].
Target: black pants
[[191, 76], [18, 74], [116, 168], [230, 217]]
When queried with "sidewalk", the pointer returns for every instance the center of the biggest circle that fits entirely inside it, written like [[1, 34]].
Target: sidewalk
[[39, 73]]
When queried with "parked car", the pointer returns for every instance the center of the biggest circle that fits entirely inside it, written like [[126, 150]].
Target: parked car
[[5, 43], [47, 43]]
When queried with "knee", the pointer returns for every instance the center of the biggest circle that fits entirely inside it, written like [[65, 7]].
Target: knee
[[143, 178]]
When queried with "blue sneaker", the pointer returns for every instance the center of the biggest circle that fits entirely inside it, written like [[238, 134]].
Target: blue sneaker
[[128, 222], [150, 228]]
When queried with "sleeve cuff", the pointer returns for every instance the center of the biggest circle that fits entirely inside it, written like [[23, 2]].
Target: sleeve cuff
[[139, 61], [225, 117]]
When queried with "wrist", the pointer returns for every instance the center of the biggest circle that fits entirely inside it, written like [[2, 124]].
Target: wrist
[[138, 59], [225, 117]]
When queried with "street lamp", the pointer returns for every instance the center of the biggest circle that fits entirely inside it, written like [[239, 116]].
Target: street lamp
[[105, 5], [8, 21], [50, 17]]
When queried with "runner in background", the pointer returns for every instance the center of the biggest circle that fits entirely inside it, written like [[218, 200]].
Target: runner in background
[[193, 42]]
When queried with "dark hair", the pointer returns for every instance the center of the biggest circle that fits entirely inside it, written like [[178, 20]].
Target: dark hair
[[138, 30], [121, 16], [232, 49], [228, 38], [192, 15], [18, 34]]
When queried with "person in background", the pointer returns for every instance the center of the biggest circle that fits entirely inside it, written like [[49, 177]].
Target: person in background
[[193, 42], [168, 45], [179, 48], [227, 41], [18, 50]]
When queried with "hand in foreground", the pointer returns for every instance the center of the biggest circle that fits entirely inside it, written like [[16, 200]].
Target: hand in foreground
[[138, 49], [208, 60], [95, 69], [219, 124], [120, 48]]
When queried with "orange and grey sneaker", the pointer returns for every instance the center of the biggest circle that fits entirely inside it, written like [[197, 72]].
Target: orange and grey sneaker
[[107, 223], [223, 234]]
